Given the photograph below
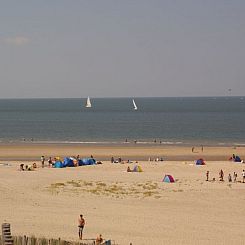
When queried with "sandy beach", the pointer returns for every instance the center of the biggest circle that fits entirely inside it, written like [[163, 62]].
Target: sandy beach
[[126, 207]]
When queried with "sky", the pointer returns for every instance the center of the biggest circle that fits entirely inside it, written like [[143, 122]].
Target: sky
[[126, 48]]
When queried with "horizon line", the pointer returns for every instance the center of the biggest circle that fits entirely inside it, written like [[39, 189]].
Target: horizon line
[[125, 97]]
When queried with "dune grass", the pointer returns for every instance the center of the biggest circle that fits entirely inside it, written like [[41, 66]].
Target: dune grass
[[112, 189]]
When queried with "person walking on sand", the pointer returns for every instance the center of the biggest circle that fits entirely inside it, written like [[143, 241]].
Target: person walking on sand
[[229, 178], [221, 175], [243, 176], [42, 161], [207, 175], [234, 176], [81, 223], [50, 162]]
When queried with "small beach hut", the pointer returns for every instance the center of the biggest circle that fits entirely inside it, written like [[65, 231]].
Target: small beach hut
[[200, 162], [168, 178]]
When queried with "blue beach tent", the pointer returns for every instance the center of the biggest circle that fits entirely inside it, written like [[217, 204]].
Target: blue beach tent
[[68, 162], [87, 161], [237, 159], [200, 162], [80, 162], [58, 164]]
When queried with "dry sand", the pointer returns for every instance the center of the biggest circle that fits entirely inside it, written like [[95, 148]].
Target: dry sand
[[126, 207]]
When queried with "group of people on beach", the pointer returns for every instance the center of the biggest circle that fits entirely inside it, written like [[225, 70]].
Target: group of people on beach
[[221, 176], [120, 160], [157, 159], [28, 167], [51, 163], [137, 141]]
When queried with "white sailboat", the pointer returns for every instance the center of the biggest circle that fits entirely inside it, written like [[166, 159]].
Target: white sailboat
[[135, 106], [88, 103]]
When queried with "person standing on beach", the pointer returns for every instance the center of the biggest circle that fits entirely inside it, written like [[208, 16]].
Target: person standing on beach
[[207, 175], [42, 161], [221, 175], [234, 176], [81, 223], [50, 162], [229, 178], [243, 176]]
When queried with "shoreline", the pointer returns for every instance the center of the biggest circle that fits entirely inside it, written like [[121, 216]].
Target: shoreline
[[127, 143], [33, 151]]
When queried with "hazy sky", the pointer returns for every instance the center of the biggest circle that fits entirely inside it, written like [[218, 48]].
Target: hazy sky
[[126, 48]]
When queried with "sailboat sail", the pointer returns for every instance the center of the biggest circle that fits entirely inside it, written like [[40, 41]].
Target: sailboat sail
[[88, 104], [135, 106]]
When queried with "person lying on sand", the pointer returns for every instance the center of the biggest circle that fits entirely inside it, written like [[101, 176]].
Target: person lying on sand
[[28, 167]]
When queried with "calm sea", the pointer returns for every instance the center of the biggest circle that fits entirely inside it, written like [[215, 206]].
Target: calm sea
[[112, 120]]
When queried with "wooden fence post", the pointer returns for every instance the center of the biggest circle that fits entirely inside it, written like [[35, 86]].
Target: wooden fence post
[[6, 234]]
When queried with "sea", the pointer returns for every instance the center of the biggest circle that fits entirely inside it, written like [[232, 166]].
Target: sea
[[167, 121]]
